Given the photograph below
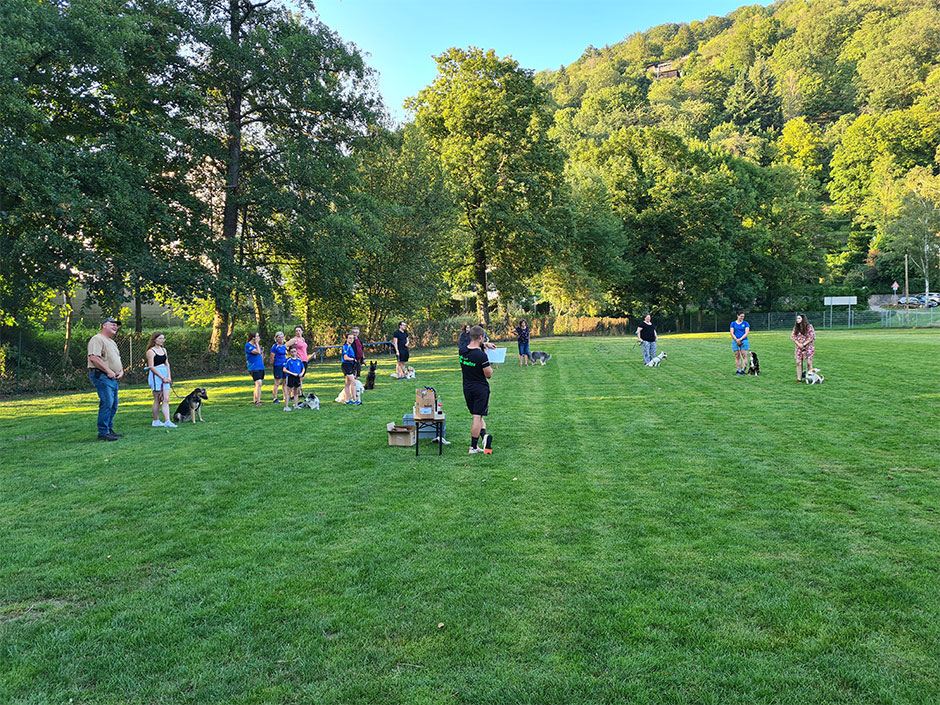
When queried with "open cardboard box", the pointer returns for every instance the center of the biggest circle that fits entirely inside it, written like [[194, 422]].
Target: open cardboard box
[[401, 435]]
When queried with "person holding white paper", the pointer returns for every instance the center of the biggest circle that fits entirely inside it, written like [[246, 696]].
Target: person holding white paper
[[476, 370]]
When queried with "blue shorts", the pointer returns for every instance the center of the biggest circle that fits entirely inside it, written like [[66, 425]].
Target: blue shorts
[[279, 372], [743, 346], [524, 348]]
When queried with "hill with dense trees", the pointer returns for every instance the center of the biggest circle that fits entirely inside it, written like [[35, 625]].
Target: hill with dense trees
[[232, 159]]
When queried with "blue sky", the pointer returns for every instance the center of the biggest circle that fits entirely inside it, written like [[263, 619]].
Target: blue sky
[[401, 36]]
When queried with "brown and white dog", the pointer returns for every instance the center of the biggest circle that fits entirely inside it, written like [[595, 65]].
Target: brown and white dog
[[813, 377]]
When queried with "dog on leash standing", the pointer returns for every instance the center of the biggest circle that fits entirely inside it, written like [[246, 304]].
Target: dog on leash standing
[[754, 366], [370, 378], [539, 356], [191, 406], [657, 361], [813, 376]]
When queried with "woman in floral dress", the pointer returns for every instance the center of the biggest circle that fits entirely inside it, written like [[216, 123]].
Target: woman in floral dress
[[804, 337]]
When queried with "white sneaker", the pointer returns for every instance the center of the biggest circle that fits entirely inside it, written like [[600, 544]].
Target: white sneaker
[[156, 423], [474, 451], [286, 408], [169, 424]]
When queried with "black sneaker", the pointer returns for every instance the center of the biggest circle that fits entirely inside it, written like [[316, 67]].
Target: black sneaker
[[116, 435], [107, 437], [488, 444]]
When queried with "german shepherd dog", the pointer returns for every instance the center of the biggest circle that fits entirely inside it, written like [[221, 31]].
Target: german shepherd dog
[[370, 378], [191, 406]]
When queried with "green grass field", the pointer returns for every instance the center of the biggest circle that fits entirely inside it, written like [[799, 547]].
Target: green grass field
[[670, 535]]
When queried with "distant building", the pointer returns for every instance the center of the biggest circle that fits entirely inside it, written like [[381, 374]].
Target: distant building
[[666, 69]]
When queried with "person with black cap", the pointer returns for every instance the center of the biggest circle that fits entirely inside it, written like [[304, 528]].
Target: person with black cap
[[105, 369]]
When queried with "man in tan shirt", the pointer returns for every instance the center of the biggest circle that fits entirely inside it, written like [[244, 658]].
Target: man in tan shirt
[[105, 369]]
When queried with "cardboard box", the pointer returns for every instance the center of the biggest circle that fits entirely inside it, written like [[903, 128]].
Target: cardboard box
[[401, 435], [425, 403]]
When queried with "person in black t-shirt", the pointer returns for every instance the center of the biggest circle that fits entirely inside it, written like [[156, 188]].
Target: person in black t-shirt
[[400, 343], [476, 370], [646, 334]]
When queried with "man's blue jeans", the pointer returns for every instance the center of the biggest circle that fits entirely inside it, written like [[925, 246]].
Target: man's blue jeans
[[649, 350], [108, 400]]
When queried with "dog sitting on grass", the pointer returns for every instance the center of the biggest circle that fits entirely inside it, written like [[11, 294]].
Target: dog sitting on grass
[[370, 378], [191, 406], [657, 361], [754, 366], [341, 397]]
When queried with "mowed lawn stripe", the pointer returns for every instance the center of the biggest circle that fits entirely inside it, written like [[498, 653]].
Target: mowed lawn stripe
[[672, 535]]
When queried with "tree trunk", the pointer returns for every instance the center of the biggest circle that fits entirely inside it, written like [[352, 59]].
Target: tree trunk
[[68, 328], [479, 275], [219, 329], [260, 318], [138, 315], [221, 336]]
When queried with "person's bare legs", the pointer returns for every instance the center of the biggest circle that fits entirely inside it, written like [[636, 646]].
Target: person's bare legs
[[257, 398], [165, 394], [477, 426], [156, 406]]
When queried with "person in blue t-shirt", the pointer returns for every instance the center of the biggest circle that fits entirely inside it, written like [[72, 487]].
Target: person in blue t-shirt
[[739, 343], [254, 357], [278, 360], [349, 370], [294, 371]]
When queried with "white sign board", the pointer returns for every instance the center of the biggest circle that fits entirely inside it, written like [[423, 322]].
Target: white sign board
[[496, 355], [841, 301], [895, 286]]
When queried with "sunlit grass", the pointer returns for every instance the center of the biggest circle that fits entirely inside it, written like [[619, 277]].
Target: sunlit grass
[[673, 534]]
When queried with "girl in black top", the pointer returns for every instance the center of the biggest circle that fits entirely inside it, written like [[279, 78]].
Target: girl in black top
[[522, 337], [158, 378]]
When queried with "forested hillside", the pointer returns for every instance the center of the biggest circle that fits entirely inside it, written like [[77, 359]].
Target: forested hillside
[[823, 115], [232, 159]]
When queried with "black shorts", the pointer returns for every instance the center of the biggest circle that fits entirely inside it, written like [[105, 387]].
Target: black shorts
[[478, 399], [403, 354], [293, 381], [349, 368], [257, 374], [279, 372]]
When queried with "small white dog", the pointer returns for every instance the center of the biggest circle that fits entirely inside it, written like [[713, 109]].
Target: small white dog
[[409, 373], [341, 398], [311, 401], [813, 377], [656, 361]]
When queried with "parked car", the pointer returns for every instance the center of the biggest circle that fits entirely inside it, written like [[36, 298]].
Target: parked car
[[909, 301]]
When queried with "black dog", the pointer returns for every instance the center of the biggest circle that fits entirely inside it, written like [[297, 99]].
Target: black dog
[[191, 406], [754, 367], [370, 378]]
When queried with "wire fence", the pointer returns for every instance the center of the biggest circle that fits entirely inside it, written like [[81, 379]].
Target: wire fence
[[45, 370], [825, 319]]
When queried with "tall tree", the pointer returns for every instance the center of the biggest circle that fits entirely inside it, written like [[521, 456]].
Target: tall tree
[[487, 120], [93, 180], [280, 85]]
